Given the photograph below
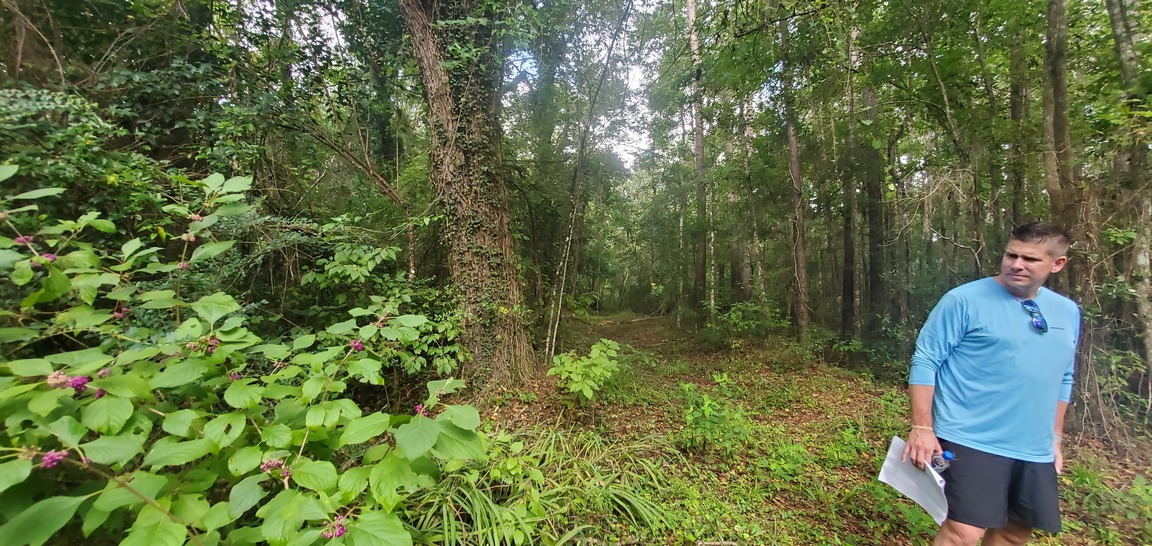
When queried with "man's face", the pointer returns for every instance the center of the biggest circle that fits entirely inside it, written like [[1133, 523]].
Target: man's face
[[1025, 266]]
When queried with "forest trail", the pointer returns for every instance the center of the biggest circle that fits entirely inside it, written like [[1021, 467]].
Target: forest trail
[[790, 456], [790, 451]]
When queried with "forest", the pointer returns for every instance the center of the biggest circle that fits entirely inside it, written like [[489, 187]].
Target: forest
[[487, 272]]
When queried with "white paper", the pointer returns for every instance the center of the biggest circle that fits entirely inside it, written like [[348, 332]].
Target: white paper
[[925, 487]]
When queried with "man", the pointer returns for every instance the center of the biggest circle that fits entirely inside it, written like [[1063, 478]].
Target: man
[[990, 381]]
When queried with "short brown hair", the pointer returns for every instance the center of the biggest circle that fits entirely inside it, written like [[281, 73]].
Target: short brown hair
[[1044, 232]]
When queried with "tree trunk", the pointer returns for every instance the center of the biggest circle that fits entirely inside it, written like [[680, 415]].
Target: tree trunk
[[465, 167], [872, 169], [799, 202], [703, 229], [1058, 156], [1018, 107], [848, 175]]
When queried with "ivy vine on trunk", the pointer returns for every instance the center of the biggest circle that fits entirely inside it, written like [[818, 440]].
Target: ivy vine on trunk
[[456, 46]]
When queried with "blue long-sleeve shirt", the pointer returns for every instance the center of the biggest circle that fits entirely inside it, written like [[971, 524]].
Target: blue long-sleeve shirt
[[996, 377]]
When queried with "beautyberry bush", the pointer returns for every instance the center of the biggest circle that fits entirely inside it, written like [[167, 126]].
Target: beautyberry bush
[[188, 427]]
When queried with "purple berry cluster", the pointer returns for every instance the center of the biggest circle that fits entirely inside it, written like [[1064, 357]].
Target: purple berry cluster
[[78, 383], [335, 528], [273, 464], [52, 458], [206, 344], [356, 345]]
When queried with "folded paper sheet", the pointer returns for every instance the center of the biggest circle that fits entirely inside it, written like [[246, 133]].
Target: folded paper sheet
[[925, 487]]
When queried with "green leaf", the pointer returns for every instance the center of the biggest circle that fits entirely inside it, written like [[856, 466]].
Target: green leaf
[[14, 472], [389, 475], [244, 460], [130, 248], [232, 209], [278, 435], [136, 355], [442, 387], [341, 328], [225, 429], [354, 481], [86, 359], [39, 522], [178, 422], [107, 415], [103, 225], [126, 386], [46, 402], [365, 428], [190, 329], [207, 251], [457, 443], [416, 437], [216, 517], [303, 342], [170, 452], [35, 194], [237, 184], [376, 528], [30, 367], [214, 307], [8, 258], [21, 274], [11, 335], [242, 394], [155, 528], [179, 373], [316, 417], [190, 507], [212, 183], [245, 495], [284, 514], [410, 321], [7, 171], [315, 475], [68, 430], [313, 387], [115, 496], [465, 417]]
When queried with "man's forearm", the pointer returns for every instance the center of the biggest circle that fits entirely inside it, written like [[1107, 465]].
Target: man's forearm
[[921, 398], [1061, 409]]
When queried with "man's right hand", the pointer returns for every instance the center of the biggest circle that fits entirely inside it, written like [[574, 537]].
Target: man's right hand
[[922, 445]]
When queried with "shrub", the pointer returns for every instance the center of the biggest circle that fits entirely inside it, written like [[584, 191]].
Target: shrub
[[581, 378], [712, 423], [188, 426]]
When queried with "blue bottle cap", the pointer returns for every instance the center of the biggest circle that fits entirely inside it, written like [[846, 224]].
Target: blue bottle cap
[[947, 455]]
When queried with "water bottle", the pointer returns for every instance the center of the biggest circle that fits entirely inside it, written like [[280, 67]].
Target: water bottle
[[941, 461]]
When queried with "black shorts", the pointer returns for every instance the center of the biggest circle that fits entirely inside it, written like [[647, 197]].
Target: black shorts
[[988, 491]]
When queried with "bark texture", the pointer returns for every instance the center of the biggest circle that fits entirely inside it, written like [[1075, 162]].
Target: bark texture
[[467, 172]]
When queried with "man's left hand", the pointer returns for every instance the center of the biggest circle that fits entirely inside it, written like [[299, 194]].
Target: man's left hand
[[1058, 447]]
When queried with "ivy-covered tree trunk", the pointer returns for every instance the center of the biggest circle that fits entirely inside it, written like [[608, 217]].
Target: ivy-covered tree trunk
[[461, 87]]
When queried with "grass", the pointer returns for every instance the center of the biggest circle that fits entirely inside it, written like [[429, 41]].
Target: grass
[[803, 471]]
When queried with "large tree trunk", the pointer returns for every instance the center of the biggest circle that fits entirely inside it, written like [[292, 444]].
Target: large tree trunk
[[465, 167]]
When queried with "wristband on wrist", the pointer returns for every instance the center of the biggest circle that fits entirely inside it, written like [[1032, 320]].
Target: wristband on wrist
[[922, 427], [1059, 438]]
